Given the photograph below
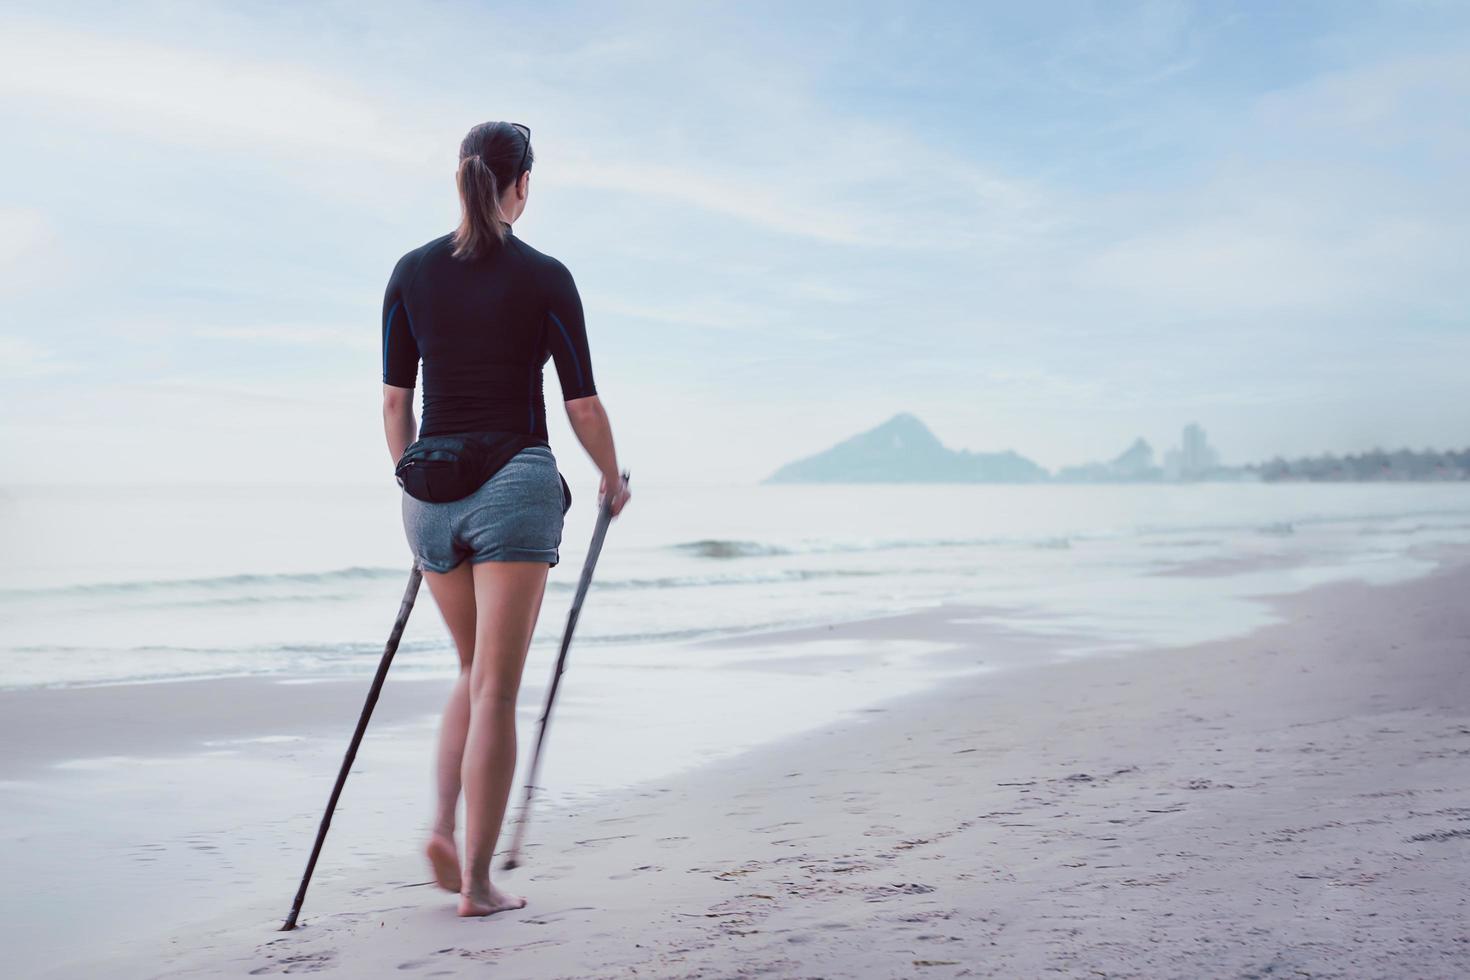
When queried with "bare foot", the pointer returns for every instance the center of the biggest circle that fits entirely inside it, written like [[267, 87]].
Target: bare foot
[[444, 856], [492, 899]]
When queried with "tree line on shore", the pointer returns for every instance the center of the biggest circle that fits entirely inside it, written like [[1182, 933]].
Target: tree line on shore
[[1375, 464]]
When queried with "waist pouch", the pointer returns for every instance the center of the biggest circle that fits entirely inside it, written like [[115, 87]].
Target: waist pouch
[[438, 469]]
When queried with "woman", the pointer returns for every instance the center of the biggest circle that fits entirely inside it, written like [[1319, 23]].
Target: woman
[[484, 311]]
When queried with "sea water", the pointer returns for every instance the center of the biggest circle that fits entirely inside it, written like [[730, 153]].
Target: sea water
[[129, 584]]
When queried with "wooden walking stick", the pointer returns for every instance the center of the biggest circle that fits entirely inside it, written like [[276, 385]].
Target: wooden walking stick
[[604, 518], [404, 608]]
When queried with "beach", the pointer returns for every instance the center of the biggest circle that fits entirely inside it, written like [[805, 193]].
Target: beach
[[1291, 801]]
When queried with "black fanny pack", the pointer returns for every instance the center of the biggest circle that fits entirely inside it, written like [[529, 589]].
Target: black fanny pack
[[438, 469]]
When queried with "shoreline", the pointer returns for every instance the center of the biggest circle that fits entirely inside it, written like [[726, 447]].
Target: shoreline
[[1287, 769], [171, 717], [182, 716]]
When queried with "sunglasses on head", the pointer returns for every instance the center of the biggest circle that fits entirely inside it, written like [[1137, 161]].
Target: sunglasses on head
[[524, 150]]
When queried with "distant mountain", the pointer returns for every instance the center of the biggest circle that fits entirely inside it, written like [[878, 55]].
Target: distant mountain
[[903, 450], [1134, 464]]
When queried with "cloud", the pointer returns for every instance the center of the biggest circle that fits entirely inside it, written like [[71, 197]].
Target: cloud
[[293, 334], [842, 182], [224, 395], [840, 179], [22, 232], [707, 312], [22, 359], [1130, 48], [1260, 261], [30, 253], [1341, 195], [748, 201], [1419, 98], [201, 98]]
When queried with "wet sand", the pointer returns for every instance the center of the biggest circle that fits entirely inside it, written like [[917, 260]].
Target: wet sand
[[1291, 803], [178, 716]]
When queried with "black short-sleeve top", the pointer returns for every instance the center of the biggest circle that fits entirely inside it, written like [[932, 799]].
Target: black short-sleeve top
[[484, 328]]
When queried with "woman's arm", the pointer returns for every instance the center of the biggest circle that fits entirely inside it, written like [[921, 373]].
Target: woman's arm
[[589, 422], [400, 364], [566, 336], [399, 424]]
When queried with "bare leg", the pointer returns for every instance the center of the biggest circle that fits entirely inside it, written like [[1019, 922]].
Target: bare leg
[[508, 600], [454, 593]]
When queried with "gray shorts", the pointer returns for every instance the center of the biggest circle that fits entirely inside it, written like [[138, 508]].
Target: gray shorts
[[516, 515]]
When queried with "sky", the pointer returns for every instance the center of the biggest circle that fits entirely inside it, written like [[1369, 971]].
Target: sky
[[1048, 227]]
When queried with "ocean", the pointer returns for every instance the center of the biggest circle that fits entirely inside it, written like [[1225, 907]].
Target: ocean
[[138, 584], [106, 586]]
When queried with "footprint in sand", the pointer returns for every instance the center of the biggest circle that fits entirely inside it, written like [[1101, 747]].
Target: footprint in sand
[[1438, 836], [836, 866], [926, 916], [882, 893], [636, 871], [601, 841], [298, 963], [626, 818], [547, 918], [881, 830], [493, 953]]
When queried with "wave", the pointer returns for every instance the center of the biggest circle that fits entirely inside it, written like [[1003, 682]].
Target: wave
[[724, 548], [697, 581], [1289, 525], [326, 650], [557, 586], [228, 601], [720, 548], [215, 582], [310, 588]]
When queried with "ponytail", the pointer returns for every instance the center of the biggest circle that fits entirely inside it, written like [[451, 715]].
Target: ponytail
[[481, 221], [488, 148]]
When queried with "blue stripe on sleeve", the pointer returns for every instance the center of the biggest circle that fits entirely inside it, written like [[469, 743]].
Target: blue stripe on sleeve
[[388, 336], [576, 361]]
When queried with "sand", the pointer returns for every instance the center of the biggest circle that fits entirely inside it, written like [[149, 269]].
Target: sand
[[141, 719], [1291, 803]]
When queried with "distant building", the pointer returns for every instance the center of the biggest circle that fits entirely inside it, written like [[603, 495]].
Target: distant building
[[1194, 458]]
